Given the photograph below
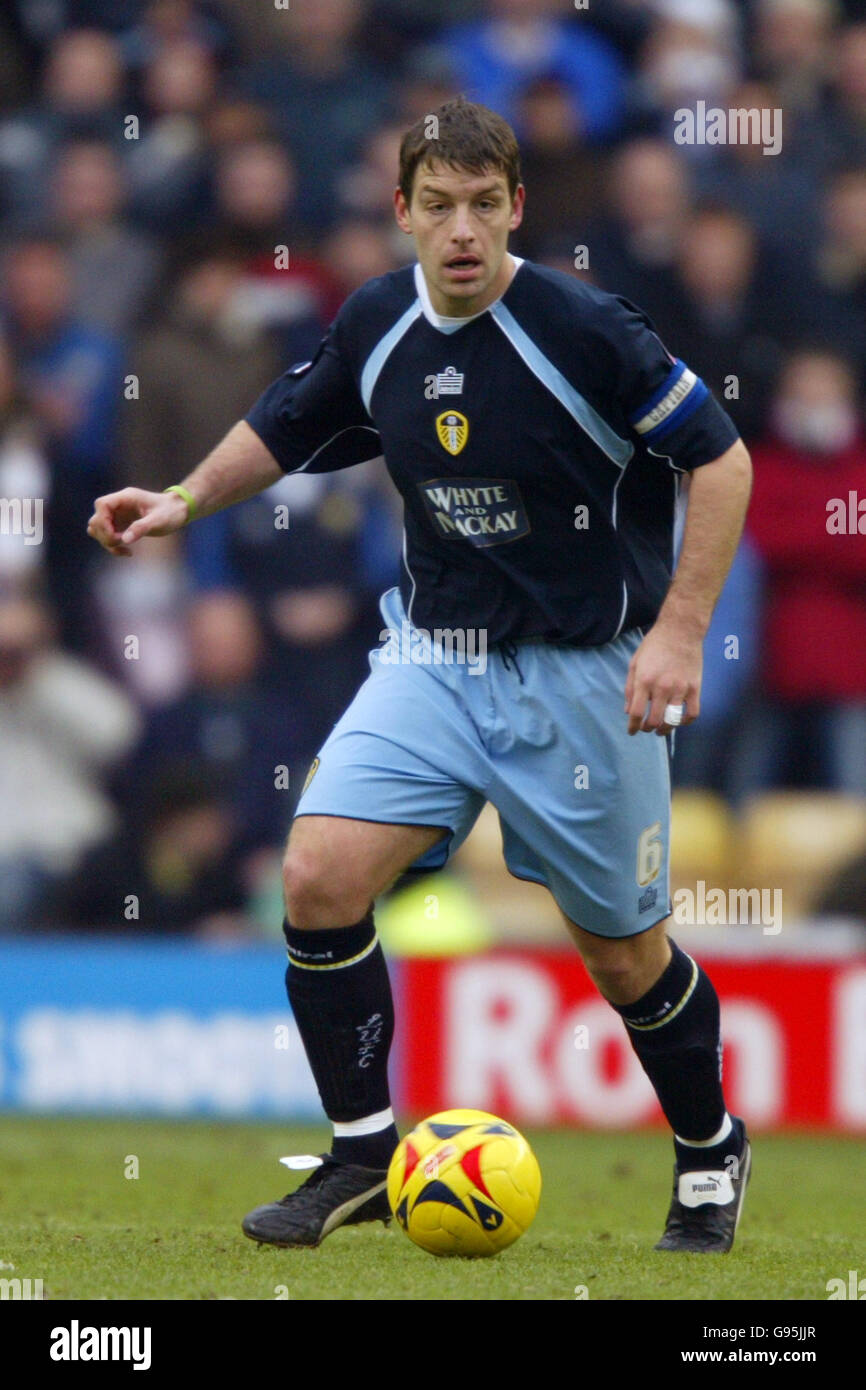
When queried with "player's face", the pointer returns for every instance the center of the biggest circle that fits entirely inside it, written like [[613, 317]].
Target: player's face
[[460, 222]]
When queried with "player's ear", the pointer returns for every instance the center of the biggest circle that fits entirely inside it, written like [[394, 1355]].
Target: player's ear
[[401, 211], [517, 208]]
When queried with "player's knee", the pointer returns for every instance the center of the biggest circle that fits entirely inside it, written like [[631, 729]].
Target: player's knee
[[318, 895], [616, 980], [620, 969]]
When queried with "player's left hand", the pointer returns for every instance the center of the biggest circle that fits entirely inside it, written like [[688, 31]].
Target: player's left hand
[[665, 670]]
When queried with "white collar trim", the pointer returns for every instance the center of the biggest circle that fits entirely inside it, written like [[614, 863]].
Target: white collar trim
[[442, 321]]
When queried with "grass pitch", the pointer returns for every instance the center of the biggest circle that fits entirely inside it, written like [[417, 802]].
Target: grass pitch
[[69, 1216]]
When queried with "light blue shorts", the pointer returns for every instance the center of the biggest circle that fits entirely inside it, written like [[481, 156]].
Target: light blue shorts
[[541, 733]]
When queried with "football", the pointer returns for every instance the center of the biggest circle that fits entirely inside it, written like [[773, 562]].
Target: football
[[464, 1183]]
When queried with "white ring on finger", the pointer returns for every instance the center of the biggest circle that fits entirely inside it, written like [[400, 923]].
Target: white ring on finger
[[673, 715]]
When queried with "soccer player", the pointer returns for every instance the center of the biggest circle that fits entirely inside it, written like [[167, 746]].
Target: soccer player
[[538, 432]]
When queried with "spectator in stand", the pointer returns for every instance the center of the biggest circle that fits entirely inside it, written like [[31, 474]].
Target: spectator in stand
[[81, 95], [849, 93], [496, 58], [778, 194], [166, 22], [176, 869], [321, 77], [258, 30], [366, 193], [732, 314], [792, 49], [367, 188], [428, 80], [249, 744], [62, 728], [254, 195], [72, 378], [288, 290], [198, 368], [233, 120], [705, 753], [113, 267], [813, 663], [839, 266], [169, 164], [634, 242], [559, 171], [144, 599], [356, 251], [692, 53], [835, 130]]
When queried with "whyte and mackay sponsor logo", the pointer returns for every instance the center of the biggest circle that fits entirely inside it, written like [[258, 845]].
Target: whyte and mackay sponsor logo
[[483, 511]]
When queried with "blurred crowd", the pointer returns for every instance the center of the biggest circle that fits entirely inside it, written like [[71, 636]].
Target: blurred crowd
[[188, 191]]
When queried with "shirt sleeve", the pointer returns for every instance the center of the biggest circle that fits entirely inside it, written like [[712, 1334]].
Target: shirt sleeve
[[667, 407], [312, 418]]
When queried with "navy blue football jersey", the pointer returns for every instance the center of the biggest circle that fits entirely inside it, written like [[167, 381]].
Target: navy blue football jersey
[[537, 446]]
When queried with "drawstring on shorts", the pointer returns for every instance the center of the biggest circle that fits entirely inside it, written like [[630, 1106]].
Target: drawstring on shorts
[[508, 651]]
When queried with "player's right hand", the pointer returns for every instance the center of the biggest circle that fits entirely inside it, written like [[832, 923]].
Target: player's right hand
[[122, 518]]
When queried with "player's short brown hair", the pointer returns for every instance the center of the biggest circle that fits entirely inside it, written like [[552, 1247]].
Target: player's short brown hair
[[462, 135]]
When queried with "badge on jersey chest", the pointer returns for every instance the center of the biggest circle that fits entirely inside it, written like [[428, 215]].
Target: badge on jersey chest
[[452, 430]]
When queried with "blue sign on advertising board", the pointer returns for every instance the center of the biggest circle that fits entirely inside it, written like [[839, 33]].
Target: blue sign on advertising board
[[175, 1028]]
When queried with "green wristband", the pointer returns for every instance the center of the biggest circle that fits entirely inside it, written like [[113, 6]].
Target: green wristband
[[187, 496]]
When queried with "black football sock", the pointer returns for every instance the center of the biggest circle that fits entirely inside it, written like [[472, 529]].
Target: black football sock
[[338, 987], [675, 1031]]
